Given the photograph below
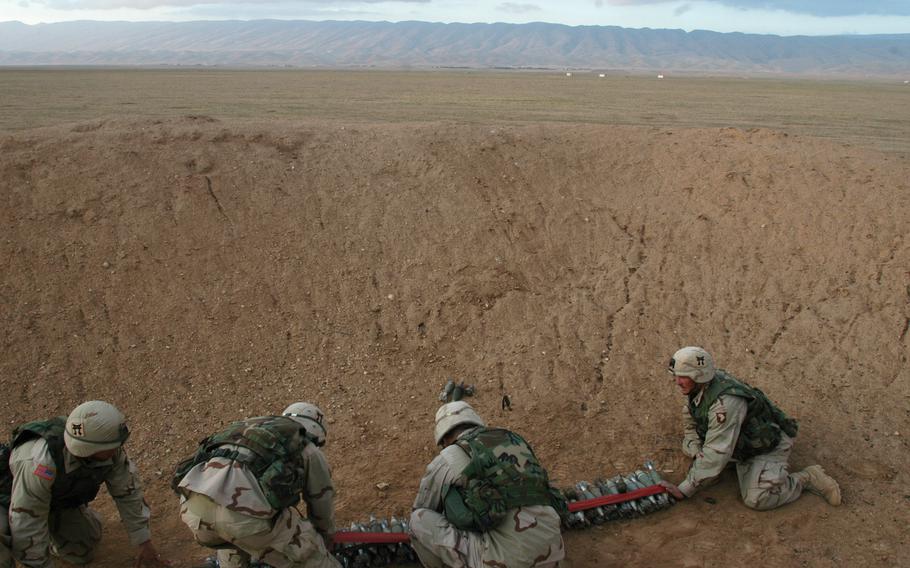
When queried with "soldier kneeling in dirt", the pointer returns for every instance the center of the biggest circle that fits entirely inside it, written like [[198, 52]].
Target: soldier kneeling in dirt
[[239, 491], [730, 421], [56, 468], [485, 499]]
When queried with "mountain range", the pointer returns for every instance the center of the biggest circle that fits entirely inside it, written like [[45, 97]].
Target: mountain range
[[279, 43]]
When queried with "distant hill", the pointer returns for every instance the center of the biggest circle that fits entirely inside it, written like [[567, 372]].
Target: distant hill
[[423, 44]]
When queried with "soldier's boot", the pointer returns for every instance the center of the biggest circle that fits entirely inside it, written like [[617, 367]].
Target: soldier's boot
[[815, 480]]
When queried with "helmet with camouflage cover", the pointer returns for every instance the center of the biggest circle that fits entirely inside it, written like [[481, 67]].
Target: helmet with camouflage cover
[[693, 362], [454, 414], [311, 418], [94, 426]]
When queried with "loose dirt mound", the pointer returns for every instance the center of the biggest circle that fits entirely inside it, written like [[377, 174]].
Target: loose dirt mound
[[194, 272]]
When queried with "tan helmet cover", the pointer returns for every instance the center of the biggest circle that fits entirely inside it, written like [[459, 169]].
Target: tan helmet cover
[[453, 414], [693, 362], [93, 427], [311, 418]]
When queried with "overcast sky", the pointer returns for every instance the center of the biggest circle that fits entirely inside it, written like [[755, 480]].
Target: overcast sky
[[782, 17]]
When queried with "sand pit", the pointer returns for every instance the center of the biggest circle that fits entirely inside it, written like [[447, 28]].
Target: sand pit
[[194, 271]]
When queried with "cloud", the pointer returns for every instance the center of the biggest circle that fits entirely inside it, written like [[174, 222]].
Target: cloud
[[811, 7], [513, 8], [149, 4], [601, 3], [682, 9]]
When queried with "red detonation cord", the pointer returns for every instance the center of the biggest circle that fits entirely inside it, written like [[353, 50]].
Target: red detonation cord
[[345, 537], [348, 537], [617, 498]]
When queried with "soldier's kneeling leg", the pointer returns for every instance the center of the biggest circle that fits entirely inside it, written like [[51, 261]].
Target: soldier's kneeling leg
[[292, 543], [765, 481], [215, 527], [74, 534], [440, 544], [232, 558]]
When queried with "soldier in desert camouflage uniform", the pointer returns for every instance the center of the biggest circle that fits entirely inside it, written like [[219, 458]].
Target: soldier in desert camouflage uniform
[[57, 467], [728, 421], [457, 523], [239, 491]]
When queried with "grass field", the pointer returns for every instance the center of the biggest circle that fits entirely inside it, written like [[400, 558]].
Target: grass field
[[875, 114]]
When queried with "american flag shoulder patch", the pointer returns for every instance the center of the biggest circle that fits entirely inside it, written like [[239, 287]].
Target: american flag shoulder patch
[[45, 472]]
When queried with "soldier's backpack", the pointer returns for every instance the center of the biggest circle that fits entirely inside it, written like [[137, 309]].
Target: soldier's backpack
[[276, 443], [503, 474]]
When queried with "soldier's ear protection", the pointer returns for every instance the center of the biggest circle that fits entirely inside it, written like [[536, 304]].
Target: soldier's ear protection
[[123, 433], [671, 367], [315, 440], [306, 433]]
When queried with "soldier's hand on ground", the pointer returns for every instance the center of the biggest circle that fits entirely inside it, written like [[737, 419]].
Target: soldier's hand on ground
[[673, 490], [149, 557]]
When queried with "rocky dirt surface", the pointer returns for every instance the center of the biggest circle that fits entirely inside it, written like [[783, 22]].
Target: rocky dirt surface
[[194, 271]]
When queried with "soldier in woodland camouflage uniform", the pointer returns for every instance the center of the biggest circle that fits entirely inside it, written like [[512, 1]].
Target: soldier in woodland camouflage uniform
[[728, 421], [240, 490], [56, 468], [485, 501]]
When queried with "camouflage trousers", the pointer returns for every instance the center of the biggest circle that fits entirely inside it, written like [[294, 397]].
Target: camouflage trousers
[[531, 538], [287, 541], [765, 481], [74, 535]]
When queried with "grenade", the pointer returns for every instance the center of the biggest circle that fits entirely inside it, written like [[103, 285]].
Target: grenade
[[403, 554], [629, 508], [362, 558], [453, 391], [612, 511], [665, 498], [648, 504], [595, 515], [375, 555], [577, 519]]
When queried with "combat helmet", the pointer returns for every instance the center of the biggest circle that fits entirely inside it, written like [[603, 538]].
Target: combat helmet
[[311, 418], [94, 426], [453, 414], [692, 362]]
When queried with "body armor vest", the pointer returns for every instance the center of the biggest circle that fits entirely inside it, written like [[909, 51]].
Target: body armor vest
[[70, 489], [6, 476], [276, 443], [764, 422], [503, 474]]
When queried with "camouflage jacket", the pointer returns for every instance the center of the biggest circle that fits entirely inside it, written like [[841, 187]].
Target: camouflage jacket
[[764, 423], [712, 455], [231, 484], [34, 471]]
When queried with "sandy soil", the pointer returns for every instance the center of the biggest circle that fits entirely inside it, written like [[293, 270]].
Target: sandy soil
[[194, 271]]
